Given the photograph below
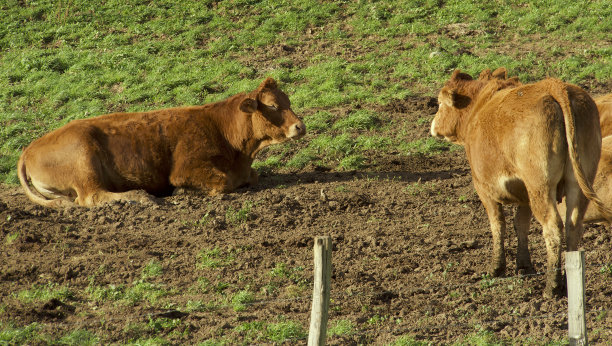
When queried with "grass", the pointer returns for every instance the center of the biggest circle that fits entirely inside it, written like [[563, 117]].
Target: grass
[[606, 269], [152, 269], [32, 334], [240, 216], [214, 258], [285, 330], [45, 293], [10, 238], [275, 332], [138, 292], [241, 299], [341, 328]]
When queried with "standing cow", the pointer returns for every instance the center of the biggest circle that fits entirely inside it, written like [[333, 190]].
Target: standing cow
[[113, 156], [527, 145], [603, 178], [604, 105]]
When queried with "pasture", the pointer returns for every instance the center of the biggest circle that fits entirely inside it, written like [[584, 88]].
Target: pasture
[[411, 238]]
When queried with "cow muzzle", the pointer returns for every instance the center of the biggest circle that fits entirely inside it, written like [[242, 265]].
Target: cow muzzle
[[296, 130]]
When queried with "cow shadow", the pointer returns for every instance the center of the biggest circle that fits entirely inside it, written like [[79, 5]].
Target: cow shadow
[[274, 180]]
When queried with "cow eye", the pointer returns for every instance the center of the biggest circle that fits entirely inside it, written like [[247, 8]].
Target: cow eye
[[273, 107]]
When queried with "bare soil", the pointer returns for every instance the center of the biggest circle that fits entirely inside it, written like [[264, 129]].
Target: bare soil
[[411, 244]]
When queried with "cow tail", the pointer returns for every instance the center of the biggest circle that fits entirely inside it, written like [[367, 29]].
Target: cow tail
[[23, 179], [560, 94]]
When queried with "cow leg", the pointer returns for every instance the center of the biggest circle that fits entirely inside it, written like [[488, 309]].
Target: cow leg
[[543, 205], [497, 220], [576, 205], [253, 177], [98, 197], [203, 177], [522, 219]]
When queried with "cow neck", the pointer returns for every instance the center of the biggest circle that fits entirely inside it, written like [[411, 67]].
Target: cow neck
[[237, 128], [482, 92]]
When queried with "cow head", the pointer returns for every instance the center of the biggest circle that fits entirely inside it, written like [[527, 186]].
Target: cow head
[[453, 102], [457, 98], [272, 117]]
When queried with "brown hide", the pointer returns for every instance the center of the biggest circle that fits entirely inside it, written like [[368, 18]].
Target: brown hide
[[604, 105], [111, 157], [527, 145], [603, 182]]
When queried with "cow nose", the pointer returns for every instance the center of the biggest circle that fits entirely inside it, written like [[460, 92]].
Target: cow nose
[[297, 130]]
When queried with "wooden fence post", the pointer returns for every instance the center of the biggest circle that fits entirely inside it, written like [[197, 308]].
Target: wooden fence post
[[320, 292], [576, 317]]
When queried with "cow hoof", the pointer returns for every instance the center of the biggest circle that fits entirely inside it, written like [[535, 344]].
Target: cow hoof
[[555, 292], [179, 191], [555, 287], [497, 271], [525, 271], [140, 196]]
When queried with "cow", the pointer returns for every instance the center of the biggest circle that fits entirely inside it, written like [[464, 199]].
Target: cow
[[527, 145], [604, 105], [603, 183], [129, 156]]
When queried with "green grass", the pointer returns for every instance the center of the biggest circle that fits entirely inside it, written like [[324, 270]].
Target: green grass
[[320, 121], [45, 293], [606, 269], [10, 238], [275, 332], [213, 258], [241, 299], [340, 328], [240, 216], [359, 120], [138, 292], [152, 269], [428, 146], [294, 275], [79, 337], [10, 334], [32, 334], [407, 340], [285, 330]]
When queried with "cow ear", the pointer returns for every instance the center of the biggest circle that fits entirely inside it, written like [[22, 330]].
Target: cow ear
[[248, 105], [500, 73], [452, 98], [447, 96], [458, 75], [485, 75], [269, 83]]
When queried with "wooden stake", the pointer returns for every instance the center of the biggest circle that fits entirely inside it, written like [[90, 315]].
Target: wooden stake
[[320, 292], [576, 317]]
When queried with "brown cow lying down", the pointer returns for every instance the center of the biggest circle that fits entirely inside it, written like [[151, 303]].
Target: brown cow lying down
[[110, 157], [527, 145]]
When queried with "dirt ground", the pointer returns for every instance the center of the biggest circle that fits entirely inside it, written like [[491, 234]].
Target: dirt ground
[[411, 243]]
